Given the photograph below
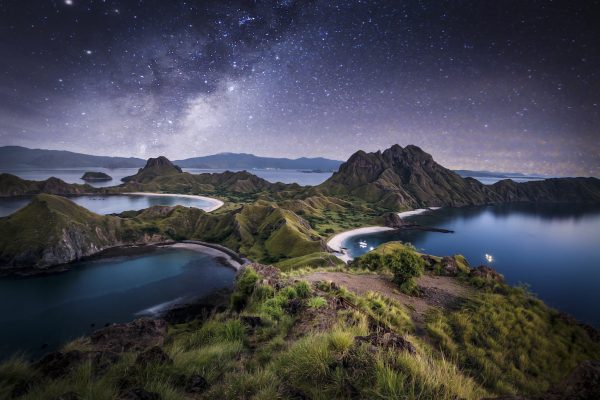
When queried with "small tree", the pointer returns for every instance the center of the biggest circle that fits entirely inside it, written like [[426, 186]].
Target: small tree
[[405, 265], [371, 261]]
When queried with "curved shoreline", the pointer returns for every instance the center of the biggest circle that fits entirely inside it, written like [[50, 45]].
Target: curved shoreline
[[217, 251], [216, 203], [336, 241]]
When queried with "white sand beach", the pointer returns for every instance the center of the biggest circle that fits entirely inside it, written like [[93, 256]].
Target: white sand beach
[[336, 241], [211, 251], [216, 203], [416, 212]]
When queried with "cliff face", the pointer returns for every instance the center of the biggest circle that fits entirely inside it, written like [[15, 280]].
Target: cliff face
[[53, 230], [400, 178]]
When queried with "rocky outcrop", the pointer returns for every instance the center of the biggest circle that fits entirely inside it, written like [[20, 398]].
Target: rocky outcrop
[[61, 363], [155, 167], [154, 355], [486, 273], [400, 178], [138, 335]]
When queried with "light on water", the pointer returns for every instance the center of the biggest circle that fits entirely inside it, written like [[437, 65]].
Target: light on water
[[552, 248], [111, 204], [45, 311]]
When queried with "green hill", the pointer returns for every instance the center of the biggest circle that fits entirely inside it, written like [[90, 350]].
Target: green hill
[[11, 185], [53, 230]]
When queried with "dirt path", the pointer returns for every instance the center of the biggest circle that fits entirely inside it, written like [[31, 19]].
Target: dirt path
[[438, 291]]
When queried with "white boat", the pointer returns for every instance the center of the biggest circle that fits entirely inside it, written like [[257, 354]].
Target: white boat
[[362, 244], [489, 258]]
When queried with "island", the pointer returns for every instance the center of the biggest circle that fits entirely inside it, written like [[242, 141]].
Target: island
[[302, 321], [93, 176]]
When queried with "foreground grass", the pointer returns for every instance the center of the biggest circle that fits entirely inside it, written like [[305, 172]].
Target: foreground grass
[[511, 342], [316, 342]]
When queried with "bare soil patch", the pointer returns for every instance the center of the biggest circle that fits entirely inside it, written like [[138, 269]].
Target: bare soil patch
[[437, 291]]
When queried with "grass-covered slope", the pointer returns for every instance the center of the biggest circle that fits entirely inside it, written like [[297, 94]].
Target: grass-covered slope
[[261, 231], [11, 185], [54, 230], [284, 338], [512, 342]]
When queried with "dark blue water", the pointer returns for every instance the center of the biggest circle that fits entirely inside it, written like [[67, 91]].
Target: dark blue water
[[109, 204], [49, 310], [555, 249]]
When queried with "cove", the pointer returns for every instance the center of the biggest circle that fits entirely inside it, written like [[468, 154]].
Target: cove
[[554, 249], [40, 313], [117, 203]]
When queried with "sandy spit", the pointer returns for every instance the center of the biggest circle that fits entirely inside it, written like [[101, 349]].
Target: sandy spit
[[215, 203]]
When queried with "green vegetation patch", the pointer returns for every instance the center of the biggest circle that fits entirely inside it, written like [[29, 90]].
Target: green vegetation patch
[[511, 342]]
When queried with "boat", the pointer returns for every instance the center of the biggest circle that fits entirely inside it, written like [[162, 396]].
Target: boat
[[489, 258], [362, 244]]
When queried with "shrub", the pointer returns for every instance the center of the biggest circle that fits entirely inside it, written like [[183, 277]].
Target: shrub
[[244, 288], [371, 261], [406, 265]]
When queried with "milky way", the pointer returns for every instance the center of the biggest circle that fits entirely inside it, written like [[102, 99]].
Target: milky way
[[504, 85]]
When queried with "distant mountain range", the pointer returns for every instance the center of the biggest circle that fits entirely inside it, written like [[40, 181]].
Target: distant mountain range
[[250, 161], [22, 157], [17, 157], [465, 173]]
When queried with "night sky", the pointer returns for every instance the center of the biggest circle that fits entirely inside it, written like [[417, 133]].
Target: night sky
[[494, 85]]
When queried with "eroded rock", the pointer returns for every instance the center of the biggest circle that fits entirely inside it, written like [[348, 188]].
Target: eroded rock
[[154, 355], [137, 335], [487, 273], [196, 384]]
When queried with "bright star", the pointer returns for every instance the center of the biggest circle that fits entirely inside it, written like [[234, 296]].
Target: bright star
[[69, 2], [88, 52]]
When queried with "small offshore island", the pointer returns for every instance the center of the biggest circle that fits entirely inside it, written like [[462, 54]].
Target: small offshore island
[[91, 176], [301, 320]]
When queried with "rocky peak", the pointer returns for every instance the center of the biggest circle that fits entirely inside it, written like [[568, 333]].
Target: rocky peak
[[402, 178], [159, 166], [160, 162]]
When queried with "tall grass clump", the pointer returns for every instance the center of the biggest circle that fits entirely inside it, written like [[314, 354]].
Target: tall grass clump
[[14, 371], [316, 302], [417, 376], [511, 343]]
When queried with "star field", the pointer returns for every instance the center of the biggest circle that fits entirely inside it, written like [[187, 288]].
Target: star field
[[504, 86]]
